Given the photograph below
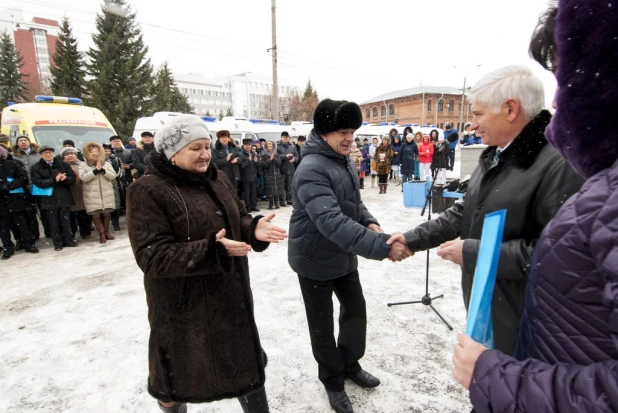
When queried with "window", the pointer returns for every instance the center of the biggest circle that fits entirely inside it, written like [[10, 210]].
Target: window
[[460, 106], [383, 111], [451, 106], [367, 113], [375, 112], [429, 105], [440, 105], [391, 110]]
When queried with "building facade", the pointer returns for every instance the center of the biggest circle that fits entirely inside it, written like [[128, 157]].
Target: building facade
[[424, 105], [36, 43], [246, 94]]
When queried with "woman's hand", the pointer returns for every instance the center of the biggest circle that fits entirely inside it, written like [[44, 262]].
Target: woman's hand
[[99, 164], [234, 248], [267, 232], [466, 353]]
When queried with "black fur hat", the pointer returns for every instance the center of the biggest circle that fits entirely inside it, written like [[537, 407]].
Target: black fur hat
[[247, 141], [332, 115]]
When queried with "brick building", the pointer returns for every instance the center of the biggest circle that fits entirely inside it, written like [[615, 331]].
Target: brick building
[[36, 42], [424, 105]]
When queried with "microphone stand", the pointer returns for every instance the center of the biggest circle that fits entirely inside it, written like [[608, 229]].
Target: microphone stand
[[427, 299]]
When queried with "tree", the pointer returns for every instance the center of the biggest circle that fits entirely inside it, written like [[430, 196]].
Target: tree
[[68, 72], [229, 112], [122, 79], [302, 107], [220, 115], [13, 86], [310, 92], [208, 112], [166, 96]]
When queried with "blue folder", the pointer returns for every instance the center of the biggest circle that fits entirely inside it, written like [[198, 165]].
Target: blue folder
[[480, 327], [36, 191], [19, 190]]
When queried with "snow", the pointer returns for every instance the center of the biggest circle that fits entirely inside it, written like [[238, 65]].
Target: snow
[[74, 329]]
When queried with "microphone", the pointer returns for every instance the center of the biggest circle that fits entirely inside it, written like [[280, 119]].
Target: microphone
[[453, 137]]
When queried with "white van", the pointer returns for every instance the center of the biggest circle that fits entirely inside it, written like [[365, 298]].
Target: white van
[[241, 129]]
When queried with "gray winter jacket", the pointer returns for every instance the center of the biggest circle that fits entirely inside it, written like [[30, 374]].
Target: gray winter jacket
[[328, 227]]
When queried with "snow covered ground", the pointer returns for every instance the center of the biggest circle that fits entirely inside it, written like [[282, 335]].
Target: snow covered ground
[[74, 330]]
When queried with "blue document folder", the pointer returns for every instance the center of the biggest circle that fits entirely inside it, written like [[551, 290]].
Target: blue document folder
[[36, 191], [480, 327], [19, 190]]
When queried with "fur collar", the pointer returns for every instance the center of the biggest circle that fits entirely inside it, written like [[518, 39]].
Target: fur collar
[[161, 166], [19, 153], [218, 145], [527, 145]]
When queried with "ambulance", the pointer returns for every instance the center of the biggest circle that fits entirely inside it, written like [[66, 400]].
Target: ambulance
[[51, 120]]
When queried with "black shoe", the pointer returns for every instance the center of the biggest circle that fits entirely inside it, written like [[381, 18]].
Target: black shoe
[[177, 408], [72, 244], [8, 253], [116, 227], [58, 249], [32, 249], [364, 379], [255, 210], [18, 246], [339, 401]]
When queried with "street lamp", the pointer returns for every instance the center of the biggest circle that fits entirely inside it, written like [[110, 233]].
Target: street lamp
[[463, 94], [286, 113]]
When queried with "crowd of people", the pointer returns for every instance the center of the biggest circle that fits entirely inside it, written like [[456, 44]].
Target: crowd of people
[[74, 191]]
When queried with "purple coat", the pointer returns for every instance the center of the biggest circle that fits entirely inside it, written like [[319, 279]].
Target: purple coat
[[569, 333]]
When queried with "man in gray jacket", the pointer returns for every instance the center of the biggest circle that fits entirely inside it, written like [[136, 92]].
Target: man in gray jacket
[[329, 227], [287, 153], [520, 172]]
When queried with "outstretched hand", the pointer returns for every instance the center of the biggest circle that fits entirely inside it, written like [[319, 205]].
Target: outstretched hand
[[399, 247], [267, 232], [234, 248]]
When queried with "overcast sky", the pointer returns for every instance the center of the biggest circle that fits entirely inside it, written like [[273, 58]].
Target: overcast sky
[[351, 50]]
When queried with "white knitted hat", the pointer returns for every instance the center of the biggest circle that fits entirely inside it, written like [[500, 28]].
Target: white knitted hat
[[179, 131]]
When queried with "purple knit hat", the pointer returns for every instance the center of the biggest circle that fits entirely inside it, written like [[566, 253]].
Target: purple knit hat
[[585, 126]]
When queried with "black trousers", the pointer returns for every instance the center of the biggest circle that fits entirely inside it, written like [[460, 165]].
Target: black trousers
[[338, 359], [450, 155], [19, 223], [81, 220], [33, 222], [287, 186], [255, 402], [59, 224], [249, 191]]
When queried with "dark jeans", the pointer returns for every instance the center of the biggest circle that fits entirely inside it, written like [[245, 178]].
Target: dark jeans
[[249, 190], [287, 186], [255, 402], [450, 154], [33, 222], [60, 225], [19, 223], [82, 220], [338, 359], [407, 178]]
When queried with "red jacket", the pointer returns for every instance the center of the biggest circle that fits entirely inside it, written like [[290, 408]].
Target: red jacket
[[425, 151]]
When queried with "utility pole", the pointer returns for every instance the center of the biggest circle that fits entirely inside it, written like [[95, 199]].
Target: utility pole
[[274, 52], [463, 103]]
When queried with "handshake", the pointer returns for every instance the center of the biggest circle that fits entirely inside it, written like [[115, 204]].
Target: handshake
[[399, 247]]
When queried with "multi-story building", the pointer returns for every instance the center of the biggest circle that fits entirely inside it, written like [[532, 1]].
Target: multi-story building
[[246, 94], [36, 42], [424, 105]]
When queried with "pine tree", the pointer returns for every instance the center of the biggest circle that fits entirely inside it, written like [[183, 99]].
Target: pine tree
[[122, 75], [220, 115], [208, 112], [229, 112], [13, 86], [166, 96], [309, 92], [68, 65]]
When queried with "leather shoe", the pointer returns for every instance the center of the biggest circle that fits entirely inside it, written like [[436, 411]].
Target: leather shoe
[[339, 401], [364, 379], [8, 253], [31, 248], [255, 210]]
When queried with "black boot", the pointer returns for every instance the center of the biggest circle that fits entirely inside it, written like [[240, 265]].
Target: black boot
[[177, 408], [362, 183], [18, 245], [339, 401], [8, 252], [364, 379], [270, 203], [276, 202], [31, 248], [255, 402]]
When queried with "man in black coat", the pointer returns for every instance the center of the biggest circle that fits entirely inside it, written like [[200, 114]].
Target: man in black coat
[[225, 156], [139, 157], [250, 163], [299, 144], [519, 172], [125, 157], [57, 175], [329, 227], [14, 202], [287, 153]]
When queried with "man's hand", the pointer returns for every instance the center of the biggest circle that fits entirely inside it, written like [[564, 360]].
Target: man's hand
[[289, 155], [234, 248], [398, 238], [234, 160], [375, 228], [452, 251], [399, 252], [466, 353], [125, 166]]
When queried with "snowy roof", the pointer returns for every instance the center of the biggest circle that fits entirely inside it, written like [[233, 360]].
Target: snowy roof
[[414, 91]]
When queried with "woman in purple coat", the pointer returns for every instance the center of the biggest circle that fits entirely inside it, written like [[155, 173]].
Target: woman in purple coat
[[566, 358]]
